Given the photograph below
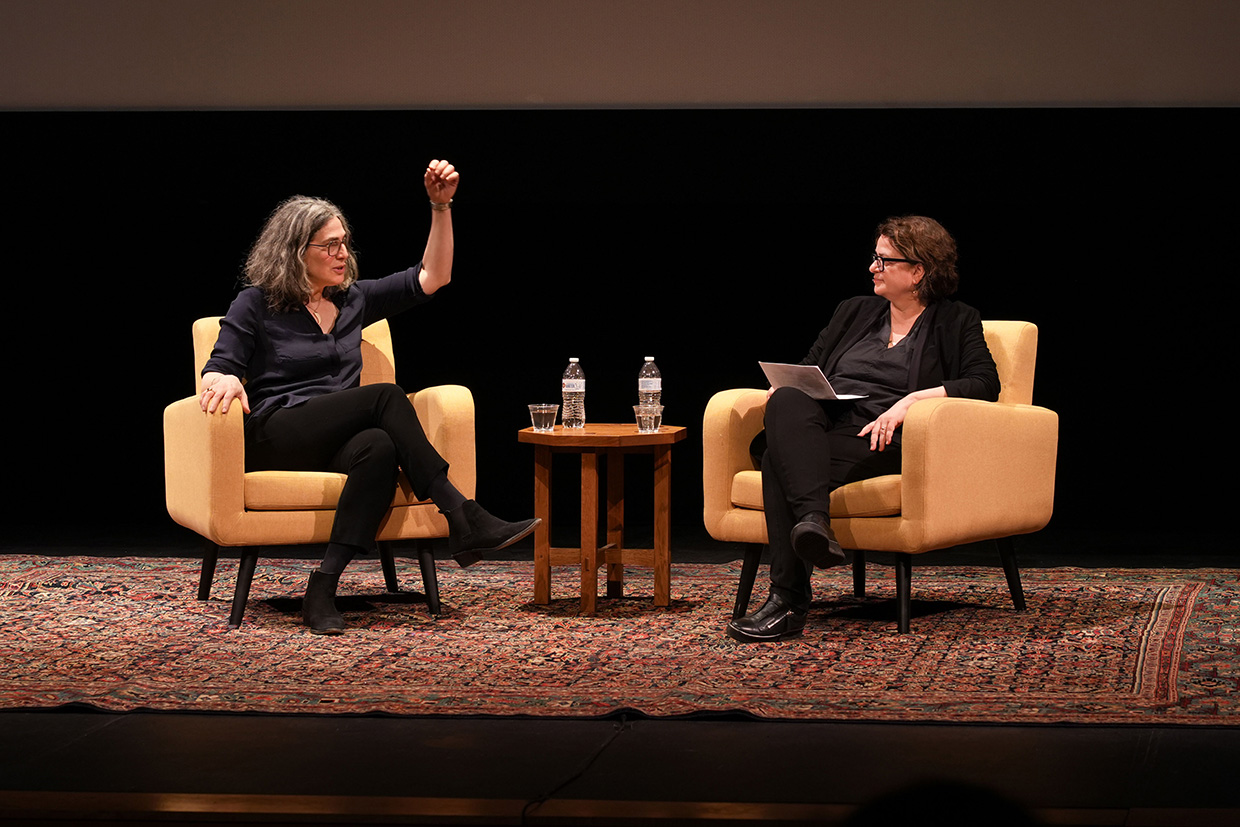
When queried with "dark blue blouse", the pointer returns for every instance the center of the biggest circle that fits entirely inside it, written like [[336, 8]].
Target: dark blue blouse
[[286, 358]]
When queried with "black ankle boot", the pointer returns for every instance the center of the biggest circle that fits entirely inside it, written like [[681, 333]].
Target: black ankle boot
[[473, 532], [318, 608], [813, 540]]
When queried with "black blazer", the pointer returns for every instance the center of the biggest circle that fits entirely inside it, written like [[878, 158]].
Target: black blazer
[[954, 356]]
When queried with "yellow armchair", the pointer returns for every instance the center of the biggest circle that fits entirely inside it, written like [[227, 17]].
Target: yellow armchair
[[210, 492], [970, 471]]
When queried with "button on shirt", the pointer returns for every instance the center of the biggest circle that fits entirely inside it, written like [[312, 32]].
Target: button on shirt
[[287, 359]]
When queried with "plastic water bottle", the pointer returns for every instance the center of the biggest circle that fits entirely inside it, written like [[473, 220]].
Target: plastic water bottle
[[649, 384], [573, 387]]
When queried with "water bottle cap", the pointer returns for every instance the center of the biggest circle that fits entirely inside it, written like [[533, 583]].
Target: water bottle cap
[[649, 358], [572, 358]]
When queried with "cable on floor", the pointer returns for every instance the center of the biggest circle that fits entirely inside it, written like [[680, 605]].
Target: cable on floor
[[533, 804]]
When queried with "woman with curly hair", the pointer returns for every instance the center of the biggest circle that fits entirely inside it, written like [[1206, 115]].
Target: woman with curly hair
[[294, 335], [905, 343]]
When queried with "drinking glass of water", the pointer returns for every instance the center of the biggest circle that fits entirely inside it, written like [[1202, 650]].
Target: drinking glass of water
[[649, 418], [542, 416]]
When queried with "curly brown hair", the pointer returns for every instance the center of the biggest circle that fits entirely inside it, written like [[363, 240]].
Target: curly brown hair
[[276, 264], [925, 241]]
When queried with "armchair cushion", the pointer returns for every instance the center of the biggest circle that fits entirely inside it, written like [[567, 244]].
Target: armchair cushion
[[877, 497], [306, 491]]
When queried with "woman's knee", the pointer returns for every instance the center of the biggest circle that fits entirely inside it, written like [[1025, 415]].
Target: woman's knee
[[388, 391], [379, 446], [791, 408], [787, 398], [372, 447]]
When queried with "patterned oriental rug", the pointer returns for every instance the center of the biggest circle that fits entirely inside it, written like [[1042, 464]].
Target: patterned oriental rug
[[1098, 646]]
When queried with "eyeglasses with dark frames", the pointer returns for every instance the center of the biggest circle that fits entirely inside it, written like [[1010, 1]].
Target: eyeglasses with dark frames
[[332, 248], [883, 261]]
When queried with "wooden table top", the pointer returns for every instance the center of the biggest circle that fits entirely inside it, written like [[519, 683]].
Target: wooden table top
[[602, 435]]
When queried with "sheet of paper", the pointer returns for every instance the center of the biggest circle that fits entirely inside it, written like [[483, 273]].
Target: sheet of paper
[[807, 378]]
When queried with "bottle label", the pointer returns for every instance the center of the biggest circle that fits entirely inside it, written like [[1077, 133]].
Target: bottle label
[[650, 384], [573, 385]]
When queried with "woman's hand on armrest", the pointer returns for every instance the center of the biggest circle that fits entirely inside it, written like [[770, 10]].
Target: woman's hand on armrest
[[219, 390], [883, 429]]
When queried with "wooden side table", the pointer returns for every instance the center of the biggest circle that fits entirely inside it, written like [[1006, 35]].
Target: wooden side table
[[611, 441]]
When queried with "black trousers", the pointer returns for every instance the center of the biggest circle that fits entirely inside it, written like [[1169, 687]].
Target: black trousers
[[809, 454], [367, 432]]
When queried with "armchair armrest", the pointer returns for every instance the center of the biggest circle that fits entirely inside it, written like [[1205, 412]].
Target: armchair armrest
[[204, 466], [447, 415], [974, 470], [732, 419]]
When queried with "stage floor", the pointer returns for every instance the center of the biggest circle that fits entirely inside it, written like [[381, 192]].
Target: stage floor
[[344, 770]]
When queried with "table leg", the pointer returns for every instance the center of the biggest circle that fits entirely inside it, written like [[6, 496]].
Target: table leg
[[615, 521], [542, 534], [662, 525], [589, 532]]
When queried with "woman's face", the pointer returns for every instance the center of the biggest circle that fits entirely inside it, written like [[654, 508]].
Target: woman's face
[[897, 280], [327, 270]]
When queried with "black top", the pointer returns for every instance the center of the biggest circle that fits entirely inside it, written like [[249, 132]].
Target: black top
[[287, 359], [952, 352], [879, 372]]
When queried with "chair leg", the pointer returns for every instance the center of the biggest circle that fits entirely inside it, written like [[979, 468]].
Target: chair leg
[[430, 579], [1007, 554], [858, 573], [749, 574], [245, 575], [904, 591], [389, 567], [210, 554]]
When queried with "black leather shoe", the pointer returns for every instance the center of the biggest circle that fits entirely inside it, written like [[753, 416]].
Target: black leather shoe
[[814, 541], [776, 620], [473, 532], [318, 607]]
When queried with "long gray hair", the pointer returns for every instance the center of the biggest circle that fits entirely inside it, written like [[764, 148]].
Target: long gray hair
[[276, 264]]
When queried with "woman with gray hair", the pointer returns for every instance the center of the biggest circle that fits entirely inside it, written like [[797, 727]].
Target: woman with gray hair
[[294, 334]]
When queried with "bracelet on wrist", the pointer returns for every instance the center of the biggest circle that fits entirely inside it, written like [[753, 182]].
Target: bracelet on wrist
[[437, 207]]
